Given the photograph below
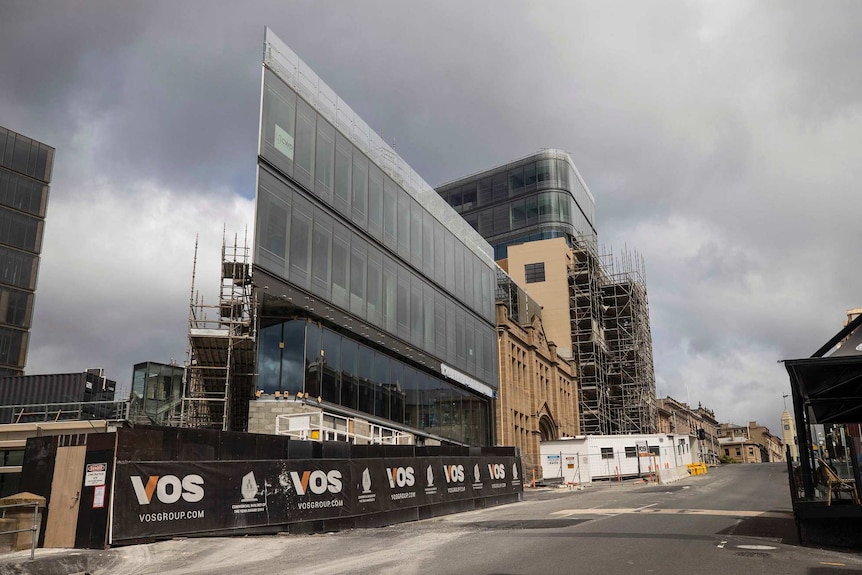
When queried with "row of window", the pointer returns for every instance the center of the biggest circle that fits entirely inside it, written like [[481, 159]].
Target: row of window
[[18, 268], [306, 147], [22, 193], [322, 363], [539, 175], [630, 451], [302, 243], [15, 307], [553, 207], [21, 154], [20, 231]]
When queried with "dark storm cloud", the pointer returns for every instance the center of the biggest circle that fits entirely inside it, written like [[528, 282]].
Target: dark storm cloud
[[163, 94], [720, 140]]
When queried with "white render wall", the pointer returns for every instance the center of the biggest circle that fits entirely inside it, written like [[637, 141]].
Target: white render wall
[[580, 459]]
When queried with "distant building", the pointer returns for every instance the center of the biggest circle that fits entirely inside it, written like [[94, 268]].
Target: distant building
[[788, 435], [538, 197], [676, 417], [750, 443], [25, 175], [537, 399]]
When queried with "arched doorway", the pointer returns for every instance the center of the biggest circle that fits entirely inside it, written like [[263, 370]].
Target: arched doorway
[[547, 430]]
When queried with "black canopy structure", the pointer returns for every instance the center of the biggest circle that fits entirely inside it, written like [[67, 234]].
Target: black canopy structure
[[827, 389]]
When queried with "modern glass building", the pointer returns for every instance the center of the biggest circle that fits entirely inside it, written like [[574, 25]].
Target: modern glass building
[[25, 175], [538, 197], [374, 294]]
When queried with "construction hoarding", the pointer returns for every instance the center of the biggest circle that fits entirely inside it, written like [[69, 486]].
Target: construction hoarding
[[169, 498]]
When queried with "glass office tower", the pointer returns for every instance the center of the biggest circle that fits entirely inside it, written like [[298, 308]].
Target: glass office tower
[[25, 175], [538, 197], [375, 295]]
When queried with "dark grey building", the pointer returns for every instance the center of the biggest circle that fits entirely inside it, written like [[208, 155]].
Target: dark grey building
[[56, 397], [25, 175], [538, 197], [375, 295]]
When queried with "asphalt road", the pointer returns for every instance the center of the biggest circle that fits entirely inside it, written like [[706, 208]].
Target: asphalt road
[[735, 520]]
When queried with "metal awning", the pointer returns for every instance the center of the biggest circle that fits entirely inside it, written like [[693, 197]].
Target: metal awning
[[830, 387]]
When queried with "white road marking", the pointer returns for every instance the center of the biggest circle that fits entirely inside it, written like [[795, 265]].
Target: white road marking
[[645, 509], [722, 544], [757, 547]]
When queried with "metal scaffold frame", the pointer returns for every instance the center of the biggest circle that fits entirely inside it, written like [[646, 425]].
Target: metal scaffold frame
[[221, 351], [586, 276], [611, 341], [631, 379]]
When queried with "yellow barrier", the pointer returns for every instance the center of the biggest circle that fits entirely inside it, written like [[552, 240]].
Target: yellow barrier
[[697, 468]]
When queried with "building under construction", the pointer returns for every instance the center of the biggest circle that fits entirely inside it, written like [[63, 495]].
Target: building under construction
[[630, 375], [538, 214], [221, 353], [587, 278]]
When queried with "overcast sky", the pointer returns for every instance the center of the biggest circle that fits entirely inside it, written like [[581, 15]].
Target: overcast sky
[[720, 139]]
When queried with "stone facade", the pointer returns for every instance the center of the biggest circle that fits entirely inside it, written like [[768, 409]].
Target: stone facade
[[750, 443], [676, 417], [537, 399]]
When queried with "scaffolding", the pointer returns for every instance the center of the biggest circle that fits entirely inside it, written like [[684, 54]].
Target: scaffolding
[[631, 375], [220, 357], [586, 276], [611, 341]]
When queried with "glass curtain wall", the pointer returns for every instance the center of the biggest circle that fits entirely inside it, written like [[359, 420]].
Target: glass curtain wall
[[25, 174], [543, 196], [353, 237], [322, 363]]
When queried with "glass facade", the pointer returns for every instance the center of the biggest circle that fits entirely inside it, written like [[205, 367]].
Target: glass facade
[[341, 370], [537, 198], [25, 174], [157, 391], [341, 218]]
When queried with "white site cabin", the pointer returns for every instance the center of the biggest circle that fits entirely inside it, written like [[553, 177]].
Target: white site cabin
[[582, 459]]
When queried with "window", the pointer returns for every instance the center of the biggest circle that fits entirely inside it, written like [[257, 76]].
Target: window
[[534, 273], [631, 451], [738, 452], [607, 452], [304, 149], [324, 160], [787, 427], [654, 450]]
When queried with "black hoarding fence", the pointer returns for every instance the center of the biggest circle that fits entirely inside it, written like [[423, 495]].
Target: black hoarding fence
[[170, 498]]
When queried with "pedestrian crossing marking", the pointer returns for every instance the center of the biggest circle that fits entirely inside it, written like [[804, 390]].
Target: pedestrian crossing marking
[[653, 510]]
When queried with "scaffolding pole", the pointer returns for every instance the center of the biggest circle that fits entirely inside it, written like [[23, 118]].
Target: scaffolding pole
[[220, 356]]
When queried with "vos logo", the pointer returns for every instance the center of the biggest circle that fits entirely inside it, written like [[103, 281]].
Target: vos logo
[[454, 473], [168, 488], [319, 482], [400, 477], [497, 471]]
